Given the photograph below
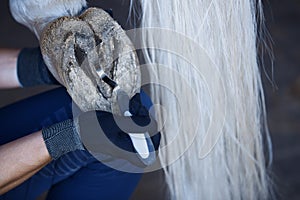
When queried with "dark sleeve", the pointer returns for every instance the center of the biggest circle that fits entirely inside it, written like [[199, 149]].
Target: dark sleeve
[[32, 70]]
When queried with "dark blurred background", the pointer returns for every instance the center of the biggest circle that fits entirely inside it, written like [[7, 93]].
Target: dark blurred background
[[282, 93]]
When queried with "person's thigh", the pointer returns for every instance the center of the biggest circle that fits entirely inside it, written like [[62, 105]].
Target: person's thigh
[[31, 114], [96, 181]]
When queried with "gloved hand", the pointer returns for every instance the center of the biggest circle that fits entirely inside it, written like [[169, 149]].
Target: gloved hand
[[103, 132], [32, 70]]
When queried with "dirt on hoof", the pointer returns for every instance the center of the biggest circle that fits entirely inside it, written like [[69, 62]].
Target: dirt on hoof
[[75, 48]]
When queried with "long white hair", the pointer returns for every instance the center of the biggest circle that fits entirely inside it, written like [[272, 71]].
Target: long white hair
[[203, 66]]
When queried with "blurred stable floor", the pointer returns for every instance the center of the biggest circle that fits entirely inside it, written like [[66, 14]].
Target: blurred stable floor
[[283, 103]]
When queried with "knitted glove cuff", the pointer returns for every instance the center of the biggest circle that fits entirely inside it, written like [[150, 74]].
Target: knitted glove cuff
[[62, 138]]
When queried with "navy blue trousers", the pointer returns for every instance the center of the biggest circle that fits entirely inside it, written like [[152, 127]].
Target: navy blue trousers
[[76, 175]]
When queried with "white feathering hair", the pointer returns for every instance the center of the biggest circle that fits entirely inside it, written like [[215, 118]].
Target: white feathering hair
[[36, 14], [214, 127]]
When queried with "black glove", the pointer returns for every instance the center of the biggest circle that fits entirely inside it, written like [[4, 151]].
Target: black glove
[[32, 70], [104, 133]]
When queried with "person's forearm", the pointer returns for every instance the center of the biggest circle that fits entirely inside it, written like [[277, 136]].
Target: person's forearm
[[20, 159], [8, 68]]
